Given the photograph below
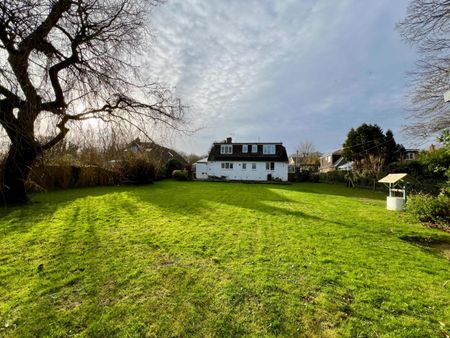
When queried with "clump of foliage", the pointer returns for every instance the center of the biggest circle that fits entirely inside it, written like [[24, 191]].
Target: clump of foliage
[[445, 139], [138, 171], [342, 177], [171, 166], [431, 209], [371, 151], [181, 175], [306, 176]]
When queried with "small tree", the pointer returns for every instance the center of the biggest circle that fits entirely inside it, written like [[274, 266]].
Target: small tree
[[308, 153], [370, 149], [65, 61], [364, 141]]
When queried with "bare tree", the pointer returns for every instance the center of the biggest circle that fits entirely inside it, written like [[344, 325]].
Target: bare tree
[[427, 26], [307, 154], [65, 61]]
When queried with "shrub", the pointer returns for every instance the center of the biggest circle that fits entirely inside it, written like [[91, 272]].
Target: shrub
[[314, 177], [171, 166], [304, 176], [333, 177], [430, 209], [181, 175], [137, 171], [413, 168]]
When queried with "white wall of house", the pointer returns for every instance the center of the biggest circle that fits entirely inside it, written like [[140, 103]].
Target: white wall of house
[[252, 171], [201, 170]]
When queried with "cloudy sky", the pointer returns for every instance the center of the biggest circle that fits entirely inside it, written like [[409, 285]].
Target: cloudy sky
[[290, 70]]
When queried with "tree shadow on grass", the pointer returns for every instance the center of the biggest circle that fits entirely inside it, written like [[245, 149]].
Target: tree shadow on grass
[[253, 197], [78, 265], [333, 190], [43, 205], [437, 244]]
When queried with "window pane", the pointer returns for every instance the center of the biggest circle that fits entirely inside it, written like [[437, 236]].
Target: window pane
[[254, 148], [226, 149], [269, 149], [245, 148], [231, 165], [253, 165]]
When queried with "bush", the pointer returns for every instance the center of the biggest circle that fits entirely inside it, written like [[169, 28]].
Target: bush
[[137, 171], [413, 168], [171, 166], [333, 177], [430, 209], [314, 178], [48, 177], [304, 176], [181, 175]]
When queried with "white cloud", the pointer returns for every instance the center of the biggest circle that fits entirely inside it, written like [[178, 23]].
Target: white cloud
[[281, 70]]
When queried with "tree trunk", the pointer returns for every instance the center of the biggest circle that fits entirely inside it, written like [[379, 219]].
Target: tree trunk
[[16, 167]]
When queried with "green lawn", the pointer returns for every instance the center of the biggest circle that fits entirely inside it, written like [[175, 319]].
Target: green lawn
[[216, 259]]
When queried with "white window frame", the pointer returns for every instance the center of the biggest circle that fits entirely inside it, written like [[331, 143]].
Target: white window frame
[[254, 148], [244, 166], [270, 166], [226, 148], [269, 149], [245, 148], [227, 165], [253, 166]]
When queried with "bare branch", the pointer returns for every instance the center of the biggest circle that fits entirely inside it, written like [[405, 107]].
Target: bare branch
[[427, 26]]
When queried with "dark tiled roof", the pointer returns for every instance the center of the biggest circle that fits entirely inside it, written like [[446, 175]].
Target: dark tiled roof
[[157, 152], [237, 155]]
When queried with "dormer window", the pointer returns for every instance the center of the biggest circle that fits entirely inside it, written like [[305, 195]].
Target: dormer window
[[226, 149], [269, 149], [254, 148], [245, 148]]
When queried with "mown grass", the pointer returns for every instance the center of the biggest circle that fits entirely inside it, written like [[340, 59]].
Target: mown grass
[[216, 259]]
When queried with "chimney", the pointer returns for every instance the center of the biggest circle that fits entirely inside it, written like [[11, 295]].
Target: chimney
[[229, 139]]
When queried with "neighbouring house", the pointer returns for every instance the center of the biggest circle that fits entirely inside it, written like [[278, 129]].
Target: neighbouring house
[[328, 162], [344, 165], [410, 155], [334, 161], [304, 163], [153, 151], [248, 161]]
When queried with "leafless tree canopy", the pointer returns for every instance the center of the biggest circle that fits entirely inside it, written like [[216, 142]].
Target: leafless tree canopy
[[306, 148], [308, 153], [427, 26], [72, 60]]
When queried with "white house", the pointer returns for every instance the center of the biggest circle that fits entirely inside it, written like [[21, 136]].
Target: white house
[[200, 169], [250, 161]]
